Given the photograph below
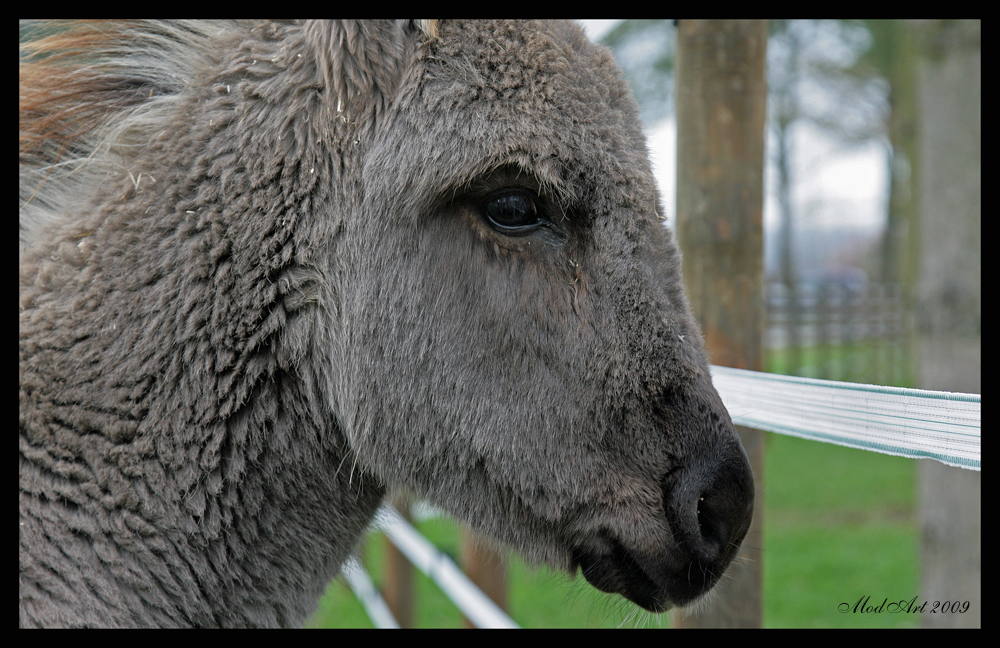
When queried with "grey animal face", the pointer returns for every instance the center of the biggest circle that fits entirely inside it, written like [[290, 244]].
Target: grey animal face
[[512, 340]]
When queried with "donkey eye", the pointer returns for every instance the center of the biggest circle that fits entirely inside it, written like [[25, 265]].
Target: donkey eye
[[512, 211]]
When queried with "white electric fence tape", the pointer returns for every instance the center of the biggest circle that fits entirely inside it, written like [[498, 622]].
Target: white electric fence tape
[[476, 606], [910, 423], [376, 607]]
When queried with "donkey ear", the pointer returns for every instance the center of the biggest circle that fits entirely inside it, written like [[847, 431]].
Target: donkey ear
[[362, 61]]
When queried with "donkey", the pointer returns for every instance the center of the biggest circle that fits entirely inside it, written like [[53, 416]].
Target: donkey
[[271, 270]]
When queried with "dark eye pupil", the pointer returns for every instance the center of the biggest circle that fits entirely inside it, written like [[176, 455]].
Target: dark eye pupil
[[512, 209]]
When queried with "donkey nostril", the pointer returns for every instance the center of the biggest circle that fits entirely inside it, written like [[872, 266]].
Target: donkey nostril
[[708, 511], [711, 527]]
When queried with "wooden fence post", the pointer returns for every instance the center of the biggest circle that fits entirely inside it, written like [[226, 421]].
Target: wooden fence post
[[721, 99]]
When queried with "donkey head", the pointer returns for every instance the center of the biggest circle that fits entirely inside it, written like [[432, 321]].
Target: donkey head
[[429, 253], [510, 338]]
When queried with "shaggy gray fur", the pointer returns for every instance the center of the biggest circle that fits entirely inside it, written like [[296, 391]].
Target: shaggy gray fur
[[259, 286]]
